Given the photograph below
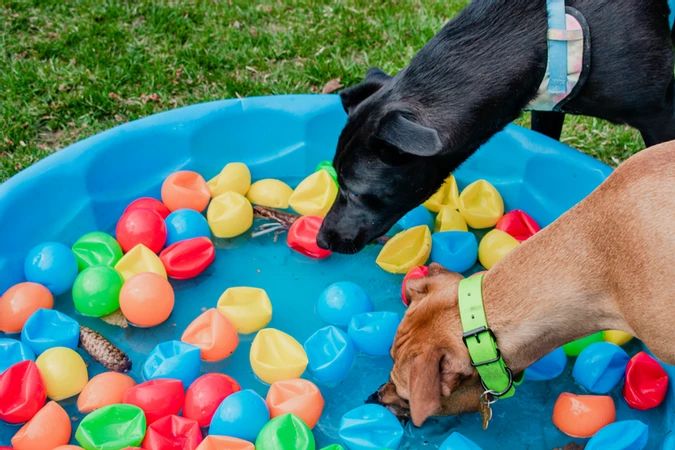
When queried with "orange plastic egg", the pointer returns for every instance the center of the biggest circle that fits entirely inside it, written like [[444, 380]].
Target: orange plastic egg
[[296, 396], [68, 447], [47, 429], [104, 389], [185, 189], [214, 334], [581, 416], [146, 299], [224, 443], [19, 302]]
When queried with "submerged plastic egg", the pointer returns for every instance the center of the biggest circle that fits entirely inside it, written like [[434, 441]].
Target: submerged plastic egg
[[104, 389], [138, 260], [141, 226], [450, 219], [48, 328], [248, 308], [214, 334], [205, 395], [146, 299], [185, 224], [172, 433], [112, 427], [270, 192], [331, 354], [617, 337], [229, 215], [457, 251], [96, 249], [298, 396], [173, 359], [214, 442], [494, 246], [481, 205], [576, 346], [189, 258], [12, 352], [447, 195], [96, 291], [53, 265], [406, 250], [581, 416], [22, 392], [63, 371], [373, 332], [315, 195], [235, 177], [415, 217], [457, 441], [338, 303], [623, 435], [518, 224], [286, 432], [302, 237], [276, 356], [370, 427], [157, 398], [241, 415], [49, 427], [185, 189], [600, 366], [19, 302], [413, 274], [548, 367], [646, 382]]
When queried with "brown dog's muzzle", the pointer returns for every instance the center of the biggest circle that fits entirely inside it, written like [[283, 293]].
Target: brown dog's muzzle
[[386, 396]]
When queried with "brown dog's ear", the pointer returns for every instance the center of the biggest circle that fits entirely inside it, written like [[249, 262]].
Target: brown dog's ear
[[425, 387], [353, 96]]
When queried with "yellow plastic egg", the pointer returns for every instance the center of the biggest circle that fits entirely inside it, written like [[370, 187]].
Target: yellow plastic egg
[[229, 215], [494, 246], [315, 195], [481, 204], [449, 219], [270, 192], [235, 177], [63, 372], [617, 337], [276, 356], [446, 195], [248, 308], [407, 249], [140, 259]]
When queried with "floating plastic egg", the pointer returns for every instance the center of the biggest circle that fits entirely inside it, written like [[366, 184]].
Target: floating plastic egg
[[373, 332], [96, 291], [548, 367], [47, 328], [189, 258], [241, 415], [302, 237], [315, 195], [157, 398], [173, 359], [271, 193], [494, 246], [518, 224], [581, 416], [447, 195], [623, 435], [112, 427], [340, 301], [172, 433], [149, 203], [229, 215], [146, 299], [617, 337], [297, 396], [104, 389], [185, 224], [49, 428], [481, 205], [370, 427], [457, 251], [646, 382], [276, 356], [413, 274], [600, 366], [235, 177], [331, 354], [248, 308], [415, 217], [12, 352], [328, 167], [205, 395], [406, 250], [96, 249], [286, 432], [185, 189], [63, 371], [450, 219], [575, 347], [141, 226], [138, 260], [214, 334], [53, 265], [213, 442], [457, 441], [19, 302], [22, 392]]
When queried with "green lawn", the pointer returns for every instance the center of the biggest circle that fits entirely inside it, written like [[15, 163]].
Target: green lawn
[[71, 69]]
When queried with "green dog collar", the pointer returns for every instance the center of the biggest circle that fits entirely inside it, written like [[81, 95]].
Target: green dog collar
[[496, 377]]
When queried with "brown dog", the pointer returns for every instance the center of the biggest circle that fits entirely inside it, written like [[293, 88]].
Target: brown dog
[[608, 263]]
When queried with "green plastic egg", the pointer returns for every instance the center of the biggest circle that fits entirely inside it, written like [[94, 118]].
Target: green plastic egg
[[286, 432], [328, 167], [96, 291], [96, 249], [112, 427]]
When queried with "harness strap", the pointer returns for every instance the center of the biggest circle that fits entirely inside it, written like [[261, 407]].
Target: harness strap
[[557, 48]]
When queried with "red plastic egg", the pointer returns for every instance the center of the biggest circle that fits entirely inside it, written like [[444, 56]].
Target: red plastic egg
[[518, 224], [149, 203], [173, 433], [141, 226], [302, 237], [187, 259], [413, 274], [646, 382], [205, 395], [157, 398], [22, 392]]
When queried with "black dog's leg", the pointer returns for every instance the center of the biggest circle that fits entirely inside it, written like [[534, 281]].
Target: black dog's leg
[[548, 123], [661, 129]]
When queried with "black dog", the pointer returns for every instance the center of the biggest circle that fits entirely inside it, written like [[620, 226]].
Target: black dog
[[406, 133]]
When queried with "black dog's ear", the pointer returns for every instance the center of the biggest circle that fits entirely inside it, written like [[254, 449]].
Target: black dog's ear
[[353, 96], [408, 136]]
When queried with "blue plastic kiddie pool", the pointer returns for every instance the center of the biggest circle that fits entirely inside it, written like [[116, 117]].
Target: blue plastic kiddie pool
[[86, 186]]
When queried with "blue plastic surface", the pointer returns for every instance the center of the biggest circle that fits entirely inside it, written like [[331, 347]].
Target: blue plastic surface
[[623, 435], [415, 217], [331, 355], [373, 332], [185, 224], [47, 328], [241, 415], [13, 351], [338, 303], [370, 427], [457, 441], [457, 251], [549, 367], [51, 264], [600, 366], [173, 359]]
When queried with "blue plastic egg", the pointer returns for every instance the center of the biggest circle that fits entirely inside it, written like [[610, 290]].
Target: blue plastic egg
[[623, 435], [370, 427], [241, 415], [185, 224], [173, 359], [548, 367], [331, 354], [457, 441], [415, 217], [47, 328], [600, 366], [53, 265], [373, 332], [457, 251], [340, 301], [13, 351]]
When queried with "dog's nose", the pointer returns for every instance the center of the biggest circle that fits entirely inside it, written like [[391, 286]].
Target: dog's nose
[[324, 238], [374, 398]]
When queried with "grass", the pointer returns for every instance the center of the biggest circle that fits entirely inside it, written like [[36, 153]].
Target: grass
[[71, 69]]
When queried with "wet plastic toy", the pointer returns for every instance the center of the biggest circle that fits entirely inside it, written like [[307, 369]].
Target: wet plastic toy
[[646, 382], [22, 392], [146, 299], [286, 432], [205, 395], [457, 441], [172, 433], [414, 218], [214, 442], [138, 260], [19, 302], [47, 328], [173, 359], [447, 195], [241, 415], [547, 368], [413, 274], [297, 396], [302, 237], [450, 219], [370, 427], [229, 215], [141, 226], [373, 332], [457, 251], [622, 435], [104, 389], [600, 366], [112, 427], [581, 416], [333, 447], [328, 167], [518, 224], [276, 356], [481, 205], [340, 301], [494, 246], [68, 447], [315, 195], [406, 250], [617, 337], [189, 258], [185, 224], [13, 351], [149, 203], [51, 264], [63, 372], [96, 249], [235, 177], [96, 291], [157, 398], [248, 308], [49, 427], [185, 189], [331, 355], [213, 334], [270, 192], [575, 347]]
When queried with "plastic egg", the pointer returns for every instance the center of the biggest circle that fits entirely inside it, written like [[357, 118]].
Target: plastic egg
[[296, 396], [241, 415], [373, 332], [146, 299], [370, 427], [481, 205], [581, 416], [328, 167], [185, 224], [333, 447], [50, 427], [406, 250], [457, 251], [205, 395], [415, 217], [315, 195], [149, 203], [229, 215], [617, 337], [173, 359], [214, 334], [189, 258], [224, 443], [19, 302], [248, 308], [172, 432], [68, 447], [413, 274], [494, 246], [185, 189], [277, 356], [623, 435], [235, 177], [457, 441], [140, 259], [112, 427], [96, 249], [331, 354], [548, 367], [302, 237], [518, 224], [157, 398], [600, 366], [53, 265], [340, 301], [447, 195], [12, 352], [104, 389], [22, 392], [450, 219], [141, 226], [270, 192], [48, 328], [646, 382], [575, 347], [96, 291], [63, 371], [287, 432]]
